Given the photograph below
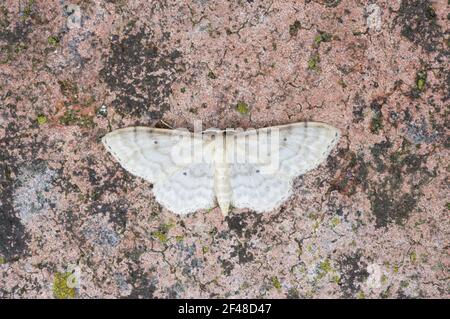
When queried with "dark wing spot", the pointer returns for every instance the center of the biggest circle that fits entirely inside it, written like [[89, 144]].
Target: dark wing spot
[[184, 173], [257, 171], [155, 142]]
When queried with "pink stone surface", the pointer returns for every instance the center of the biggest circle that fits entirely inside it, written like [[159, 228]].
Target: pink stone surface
[[371, 222]]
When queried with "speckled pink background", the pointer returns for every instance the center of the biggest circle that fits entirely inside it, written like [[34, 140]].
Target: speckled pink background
[[371, 222]]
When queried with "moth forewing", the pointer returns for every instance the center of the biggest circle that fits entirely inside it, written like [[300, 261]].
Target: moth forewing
[[236, 147], [269, 150], [185, 147]]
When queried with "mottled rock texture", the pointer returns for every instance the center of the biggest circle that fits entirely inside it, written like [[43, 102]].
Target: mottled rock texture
[[371, 222]]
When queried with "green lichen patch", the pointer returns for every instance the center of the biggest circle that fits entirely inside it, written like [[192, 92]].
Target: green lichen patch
[[335, 221], [53, 40], [336, 279], [324, 268], [2, 260], [28, 9], [313, 62], [242, 107], [275, 282], [61, 289], [41, 119], [396, 268], [165, 227], [162, 234], [322, 37], [413, 257], [74, 117], [421, 79]]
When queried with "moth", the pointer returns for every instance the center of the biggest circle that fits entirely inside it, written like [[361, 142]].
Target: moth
[[251, 169]]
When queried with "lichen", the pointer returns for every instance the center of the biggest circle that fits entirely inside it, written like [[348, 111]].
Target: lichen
[[322, 37], [28, 9], [61, 289], [162, 237], [396, 268], [72, 117], [41, 119], [242, 107], [163, 230], [313, 62], [336, 279], [53, 40], [324, 268], [276, 282], [413, 257], [421, 78], [335, 221]]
